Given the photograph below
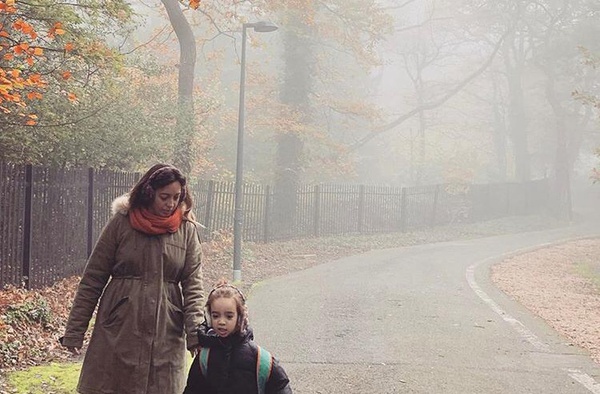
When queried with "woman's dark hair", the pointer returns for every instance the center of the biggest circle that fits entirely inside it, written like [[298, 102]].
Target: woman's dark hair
[[159, 175]]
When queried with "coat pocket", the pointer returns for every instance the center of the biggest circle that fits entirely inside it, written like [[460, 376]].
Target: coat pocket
[[174, 319], [116, 313]]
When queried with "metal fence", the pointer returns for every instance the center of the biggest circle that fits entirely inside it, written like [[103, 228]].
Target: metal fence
[[50, 218]]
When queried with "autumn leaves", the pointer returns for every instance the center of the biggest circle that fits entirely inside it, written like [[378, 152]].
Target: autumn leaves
[[22, 47]]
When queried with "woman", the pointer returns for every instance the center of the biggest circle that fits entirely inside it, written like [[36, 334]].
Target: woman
[[146, 266]]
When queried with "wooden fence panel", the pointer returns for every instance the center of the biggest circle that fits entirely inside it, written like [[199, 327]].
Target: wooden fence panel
[[339, 207], [252, 225], [63, 224], [419, 206], [58, 233], [304, 216], [382, 209], [12, 211]]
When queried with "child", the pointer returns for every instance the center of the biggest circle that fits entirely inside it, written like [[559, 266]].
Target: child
[[229, 361]]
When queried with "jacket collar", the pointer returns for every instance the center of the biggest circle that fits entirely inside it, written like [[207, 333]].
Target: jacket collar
[[207, 337]]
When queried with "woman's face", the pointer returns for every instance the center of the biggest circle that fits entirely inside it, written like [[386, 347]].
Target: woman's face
[[166, 199]]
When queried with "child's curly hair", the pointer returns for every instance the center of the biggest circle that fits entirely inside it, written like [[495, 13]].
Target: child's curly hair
[[223, 289]]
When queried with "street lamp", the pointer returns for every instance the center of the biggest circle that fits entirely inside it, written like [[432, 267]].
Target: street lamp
[[260, 27]]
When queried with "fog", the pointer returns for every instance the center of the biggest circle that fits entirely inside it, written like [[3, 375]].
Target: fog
[[416, 93]]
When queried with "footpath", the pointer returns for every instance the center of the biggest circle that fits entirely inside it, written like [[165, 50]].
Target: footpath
[[422, 319]]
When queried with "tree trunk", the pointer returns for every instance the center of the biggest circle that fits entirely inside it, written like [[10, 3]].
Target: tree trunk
[[183, 155], [562, 164], [499, 135], [517, 125], [295, 94]]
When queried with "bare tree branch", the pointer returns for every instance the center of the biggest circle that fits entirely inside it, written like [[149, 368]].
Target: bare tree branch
[[434, 104]]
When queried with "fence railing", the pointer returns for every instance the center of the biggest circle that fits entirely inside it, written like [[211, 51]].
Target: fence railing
[[50, 218]]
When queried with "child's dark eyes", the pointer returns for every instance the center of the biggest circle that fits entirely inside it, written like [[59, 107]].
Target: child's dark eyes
[[227, 316]]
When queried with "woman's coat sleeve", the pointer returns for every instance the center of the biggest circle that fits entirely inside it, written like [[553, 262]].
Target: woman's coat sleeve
[[192, 289], [95, 276]]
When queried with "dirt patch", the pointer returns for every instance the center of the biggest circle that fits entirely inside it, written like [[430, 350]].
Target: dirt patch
[[560, 284]]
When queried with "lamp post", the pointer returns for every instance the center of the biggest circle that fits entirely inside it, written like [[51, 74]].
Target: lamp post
[[260, 27]]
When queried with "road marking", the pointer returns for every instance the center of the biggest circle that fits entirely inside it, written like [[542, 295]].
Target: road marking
[[514, 323], [582, 378]]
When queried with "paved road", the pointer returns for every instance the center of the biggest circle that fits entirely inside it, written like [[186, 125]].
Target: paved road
[[422, 319]]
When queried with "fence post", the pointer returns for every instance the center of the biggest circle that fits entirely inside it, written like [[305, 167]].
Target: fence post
[[361, 208], [317, 213], [27, 226], [403, 210], [90, 211], [435, 203], [267, 214], [209, 205]]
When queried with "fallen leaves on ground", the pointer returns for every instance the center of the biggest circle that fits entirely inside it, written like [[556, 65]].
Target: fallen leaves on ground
[[32, 321]]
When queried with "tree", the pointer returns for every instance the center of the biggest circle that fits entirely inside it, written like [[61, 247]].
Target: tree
[[322, 42], [590, 98], [52, 56], [185, 104], [25, 40]]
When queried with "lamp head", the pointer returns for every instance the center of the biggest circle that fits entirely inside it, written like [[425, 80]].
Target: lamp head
[[262, 26]]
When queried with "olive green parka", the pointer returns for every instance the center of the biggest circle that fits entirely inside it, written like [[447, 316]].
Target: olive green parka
[[151, 301]]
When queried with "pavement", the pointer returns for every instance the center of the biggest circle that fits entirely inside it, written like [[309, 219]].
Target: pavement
[[422, 319]]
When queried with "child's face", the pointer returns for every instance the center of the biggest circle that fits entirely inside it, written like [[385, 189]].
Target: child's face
[[224, 316]]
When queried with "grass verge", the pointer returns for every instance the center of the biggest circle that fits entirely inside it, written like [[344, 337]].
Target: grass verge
[[56, 378]]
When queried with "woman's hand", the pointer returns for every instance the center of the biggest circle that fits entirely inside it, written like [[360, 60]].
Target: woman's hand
[[194, 352], [74, 350]]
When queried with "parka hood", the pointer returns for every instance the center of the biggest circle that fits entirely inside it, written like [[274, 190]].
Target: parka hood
[[120, 205]]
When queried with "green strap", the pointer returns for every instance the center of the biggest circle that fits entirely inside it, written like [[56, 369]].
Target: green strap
[[204, 351], [264, 363]]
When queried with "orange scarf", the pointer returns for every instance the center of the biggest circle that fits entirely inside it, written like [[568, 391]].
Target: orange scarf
[[145, 221]]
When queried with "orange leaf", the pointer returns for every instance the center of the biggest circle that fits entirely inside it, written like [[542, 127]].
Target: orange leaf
[[38, 51], [30, 122], [8, 56], [69, 46], [56, 29], [72, 98], [194, 4], [66, 75]]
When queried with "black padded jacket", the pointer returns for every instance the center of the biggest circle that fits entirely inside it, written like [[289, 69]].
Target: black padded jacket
[[232, 368]]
